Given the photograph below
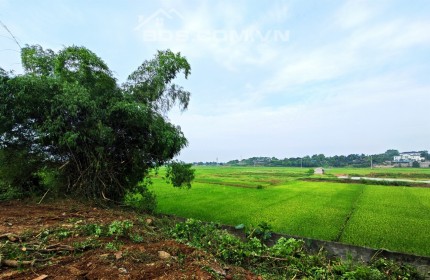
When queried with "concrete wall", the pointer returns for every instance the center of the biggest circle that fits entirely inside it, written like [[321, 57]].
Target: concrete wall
[[345, 251]]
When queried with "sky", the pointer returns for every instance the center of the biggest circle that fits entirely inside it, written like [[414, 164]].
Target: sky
[[268, 78]]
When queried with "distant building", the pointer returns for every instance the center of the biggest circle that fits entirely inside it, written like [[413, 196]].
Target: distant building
[[319, 171], [408, 157]]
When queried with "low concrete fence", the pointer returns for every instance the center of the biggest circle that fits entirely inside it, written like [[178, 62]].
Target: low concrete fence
[[346, 251], [342, 250]]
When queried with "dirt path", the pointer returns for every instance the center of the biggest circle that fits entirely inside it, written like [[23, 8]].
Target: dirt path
[[51, 239], [384, 179]]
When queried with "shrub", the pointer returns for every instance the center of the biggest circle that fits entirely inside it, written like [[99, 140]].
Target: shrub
[[180, 174], [120, 228], [263, 231], [7, 192], [67, 112], [18, 173], [286, 247], [141, 198]]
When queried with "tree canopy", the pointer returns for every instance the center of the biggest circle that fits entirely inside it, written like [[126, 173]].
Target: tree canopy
[[68, 114], [352, 160]]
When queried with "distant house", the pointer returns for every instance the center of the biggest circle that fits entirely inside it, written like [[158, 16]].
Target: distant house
[[319, 171], [408, 157]]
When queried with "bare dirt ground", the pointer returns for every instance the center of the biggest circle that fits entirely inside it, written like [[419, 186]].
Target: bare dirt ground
[[44, 239]]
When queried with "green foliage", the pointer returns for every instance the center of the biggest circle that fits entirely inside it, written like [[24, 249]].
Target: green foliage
[[120, 228], [11, 250], [67, 114], [7, 192], [209, 237], [113, 246], [286, 247], [136, 238], [34, 246], [18, 174], [392, 269], [141, 198], [286, 259], [89, 243], [180, 174], [364, 273], [310, 172], [93, 229], [352, 160], [415, 164], [263, 232], [63, 233], [115, 228]]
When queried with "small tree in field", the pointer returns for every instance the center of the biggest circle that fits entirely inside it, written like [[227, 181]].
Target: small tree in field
[[68, 116]]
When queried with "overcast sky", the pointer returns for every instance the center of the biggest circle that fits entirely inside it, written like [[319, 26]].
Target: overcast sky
[[269, 78]]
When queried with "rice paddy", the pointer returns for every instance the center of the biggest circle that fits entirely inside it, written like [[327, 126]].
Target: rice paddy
[[390, 217]]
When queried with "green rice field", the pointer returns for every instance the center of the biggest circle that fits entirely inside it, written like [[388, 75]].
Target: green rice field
[[391, 217]]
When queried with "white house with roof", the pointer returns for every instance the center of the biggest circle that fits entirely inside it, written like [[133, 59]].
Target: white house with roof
[[408, 157]]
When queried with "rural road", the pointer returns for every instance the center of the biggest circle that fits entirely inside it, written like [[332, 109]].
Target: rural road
[[383, 179]]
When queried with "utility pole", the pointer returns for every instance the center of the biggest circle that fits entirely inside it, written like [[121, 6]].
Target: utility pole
[[301, 162], [371, 162]]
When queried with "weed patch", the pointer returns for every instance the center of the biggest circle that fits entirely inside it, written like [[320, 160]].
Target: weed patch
[[286, 259]]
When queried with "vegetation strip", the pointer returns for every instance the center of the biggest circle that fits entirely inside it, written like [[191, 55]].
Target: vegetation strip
[[287, 258]]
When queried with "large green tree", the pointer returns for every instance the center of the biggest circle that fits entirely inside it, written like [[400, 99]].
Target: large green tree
[[68, 115]]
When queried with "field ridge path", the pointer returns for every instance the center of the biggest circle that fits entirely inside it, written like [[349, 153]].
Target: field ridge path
[[348, 217]]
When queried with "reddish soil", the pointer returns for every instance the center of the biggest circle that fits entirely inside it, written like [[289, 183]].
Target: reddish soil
[[26, 221]]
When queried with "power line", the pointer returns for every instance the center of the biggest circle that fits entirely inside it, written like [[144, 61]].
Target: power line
[[13, 37]]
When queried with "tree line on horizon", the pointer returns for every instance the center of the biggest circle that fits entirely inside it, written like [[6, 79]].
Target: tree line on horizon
[[352, 160]]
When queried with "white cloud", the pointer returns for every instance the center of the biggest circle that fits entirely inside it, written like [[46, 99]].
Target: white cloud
[[375, 115], [361, 51], [231, 42], [393, 35], [355, 13], [313, 66]]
